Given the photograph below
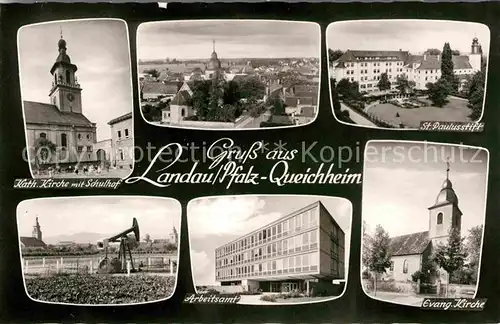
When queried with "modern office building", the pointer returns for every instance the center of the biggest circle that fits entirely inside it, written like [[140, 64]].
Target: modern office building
[[291, 254]]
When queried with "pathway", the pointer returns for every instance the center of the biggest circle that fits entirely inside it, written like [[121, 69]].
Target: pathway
[[357, 117]]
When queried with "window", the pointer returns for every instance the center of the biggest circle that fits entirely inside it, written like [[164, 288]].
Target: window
[[79, 148], [285, 263], [279, 228], [79, 136], [126, 132], [183, 112], [440, 218], [405, 266], [305, 238], [89, 136], [274, 231], [314, 237], [89, 148], [43, 135], [121, 155], [305, 260], [68, 79], [119, 134], [64, 140]]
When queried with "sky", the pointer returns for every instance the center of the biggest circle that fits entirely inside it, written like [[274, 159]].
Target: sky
[[409, 35], [99, 48], [213, 222], [103, 215], [233, 39], [400, 184]]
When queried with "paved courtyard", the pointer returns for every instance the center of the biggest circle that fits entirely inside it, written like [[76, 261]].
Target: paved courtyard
[[116, 173], [455, 110]]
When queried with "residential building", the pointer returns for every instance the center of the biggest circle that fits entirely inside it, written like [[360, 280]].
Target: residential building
[[122, 141], [292, 253]]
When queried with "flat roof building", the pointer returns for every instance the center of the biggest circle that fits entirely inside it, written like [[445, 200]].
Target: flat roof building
[[293, 253]]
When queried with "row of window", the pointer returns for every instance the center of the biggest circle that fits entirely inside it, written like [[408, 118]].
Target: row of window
[[120, 133], [405, 266], [295, 264], [64, 139], [298, 243], [294, 224]]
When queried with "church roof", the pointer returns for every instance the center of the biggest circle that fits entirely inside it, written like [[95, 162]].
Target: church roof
[[181, 98], [414, 243], [47, 114], [31, 242]]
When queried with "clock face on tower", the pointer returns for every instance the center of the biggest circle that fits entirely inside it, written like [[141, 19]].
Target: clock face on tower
[[70, 97]]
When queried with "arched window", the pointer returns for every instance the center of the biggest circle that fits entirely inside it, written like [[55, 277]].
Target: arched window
[[43, 135], [68, 77], [440, 218], [64, 140], [405, 266], [183, 112], [55, 78]]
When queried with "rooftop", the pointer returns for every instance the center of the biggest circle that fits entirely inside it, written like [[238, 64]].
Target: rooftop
[[414, 243], [47, 114], [121, 118]]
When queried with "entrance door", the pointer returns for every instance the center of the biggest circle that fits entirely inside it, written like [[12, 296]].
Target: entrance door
[[289, 286], [275, 287]]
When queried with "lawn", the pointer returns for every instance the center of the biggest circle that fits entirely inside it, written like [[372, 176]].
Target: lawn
[[454, 110]]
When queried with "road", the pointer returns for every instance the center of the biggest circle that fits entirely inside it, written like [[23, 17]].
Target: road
[[251, 122], [356, 117]]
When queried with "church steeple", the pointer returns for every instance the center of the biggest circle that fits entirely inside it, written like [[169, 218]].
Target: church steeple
[[37, 232], [65, 93], [445, 213]]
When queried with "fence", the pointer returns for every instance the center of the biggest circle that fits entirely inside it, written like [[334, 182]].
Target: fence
[[86, 264]]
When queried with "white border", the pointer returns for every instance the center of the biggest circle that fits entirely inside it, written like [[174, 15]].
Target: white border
[[23, 99], [179, 207], [407, 20], [483, 223], [346, 255], [236, 21]]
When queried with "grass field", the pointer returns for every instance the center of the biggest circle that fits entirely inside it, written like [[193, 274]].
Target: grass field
[[455, 110]]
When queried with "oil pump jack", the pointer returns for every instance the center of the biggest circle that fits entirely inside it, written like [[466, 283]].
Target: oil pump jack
[[119, 264]]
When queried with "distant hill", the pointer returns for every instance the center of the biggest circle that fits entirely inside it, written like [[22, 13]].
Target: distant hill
[[82, 238]]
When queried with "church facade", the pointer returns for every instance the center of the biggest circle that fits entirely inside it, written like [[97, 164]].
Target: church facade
[[61, 121], [409, 252]]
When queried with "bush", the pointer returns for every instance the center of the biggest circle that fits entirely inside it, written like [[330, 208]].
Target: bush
[[268, 298], [99, 289], [366, 275], [194, 118], [213, 291]]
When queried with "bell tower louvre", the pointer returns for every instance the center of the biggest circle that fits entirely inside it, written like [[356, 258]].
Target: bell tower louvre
[[65, 93]]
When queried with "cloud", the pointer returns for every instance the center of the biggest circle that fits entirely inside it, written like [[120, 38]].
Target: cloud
[[227, 216], [203, 268]]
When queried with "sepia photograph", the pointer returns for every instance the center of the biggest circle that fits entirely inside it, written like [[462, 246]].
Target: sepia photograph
[[399, 73], [423, 215], [270, 249], [76, 88], [229, 74], [100, 250]]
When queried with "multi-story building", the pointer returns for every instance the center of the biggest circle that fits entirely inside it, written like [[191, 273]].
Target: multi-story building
[[291, 253], [122, 141], [366, 67]]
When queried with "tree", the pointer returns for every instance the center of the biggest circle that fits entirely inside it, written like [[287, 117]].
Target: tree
[[404, 85], [348, 90], [147, 238], [44, 148], [251, 88], [200, 98], [475, 94], [438, 92], [378, 257], [473, 248], [226, 113], [433, 51], [153, 72], [334, 55], [447, 68], [384, 83], [452, 255]]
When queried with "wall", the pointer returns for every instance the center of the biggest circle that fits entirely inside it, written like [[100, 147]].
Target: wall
[[123, 144], [204, 124], [414, 262], [327, 226]]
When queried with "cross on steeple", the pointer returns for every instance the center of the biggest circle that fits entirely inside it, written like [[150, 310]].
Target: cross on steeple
[[447, 167], [60, 28], [213, 44]]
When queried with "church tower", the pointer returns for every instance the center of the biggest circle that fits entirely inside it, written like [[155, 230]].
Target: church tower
[[66, 92], [213, 69], [37, 232], [445, 213], [476, 55]]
